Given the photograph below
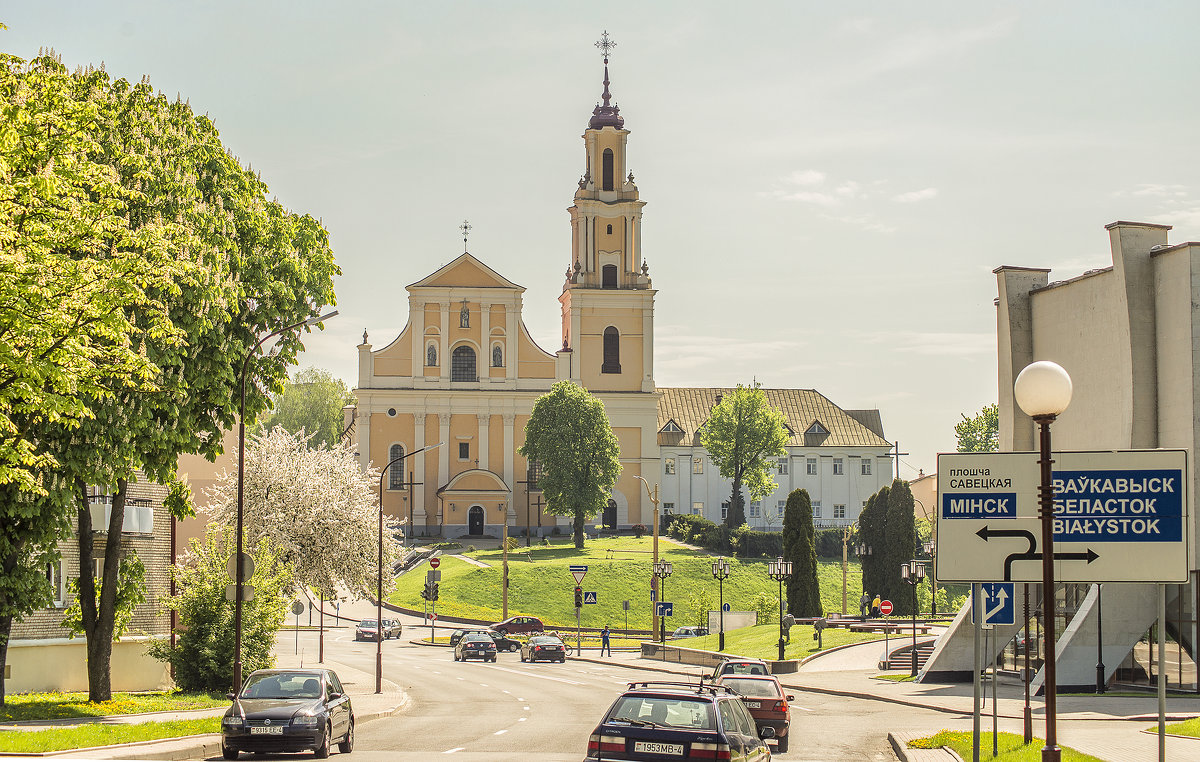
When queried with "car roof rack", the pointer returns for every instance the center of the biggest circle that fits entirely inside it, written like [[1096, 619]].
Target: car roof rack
[[701, 687]]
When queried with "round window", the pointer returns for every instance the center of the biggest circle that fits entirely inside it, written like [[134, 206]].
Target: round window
[[391, 412]]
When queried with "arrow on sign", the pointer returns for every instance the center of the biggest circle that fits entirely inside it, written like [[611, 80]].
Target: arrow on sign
[[1030, 555], [1002, 595]]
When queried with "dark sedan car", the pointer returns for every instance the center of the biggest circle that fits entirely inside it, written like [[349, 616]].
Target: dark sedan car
[[517, 624], [504, 643], [543, 648], [282, 710], [457, 635], [476, 645], [368, 629]]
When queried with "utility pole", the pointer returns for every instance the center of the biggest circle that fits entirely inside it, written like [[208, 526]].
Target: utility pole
[[504, 576]]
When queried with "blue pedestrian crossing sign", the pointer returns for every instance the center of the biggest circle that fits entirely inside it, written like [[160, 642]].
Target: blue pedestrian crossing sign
[[664, 608], [997, 602], [589, 596]]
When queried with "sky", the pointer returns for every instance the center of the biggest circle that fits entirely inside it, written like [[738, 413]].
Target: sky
[[829, 185]]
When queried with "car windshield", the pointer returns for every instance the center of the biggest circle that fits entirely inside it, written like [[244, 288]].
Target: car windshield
[[741, 668], [544, 640], [662, 711], [283, 685], [477, 638], [751, 687], [367, 623]]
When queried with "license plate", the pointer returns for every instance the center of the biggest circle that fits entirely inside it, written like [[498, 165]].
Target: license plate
[[650, 747], [270, 730], [754, 704]]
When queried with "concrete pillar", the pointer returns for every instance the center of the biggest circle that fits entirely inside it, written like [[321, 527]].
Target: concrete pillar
[[1014, 349]]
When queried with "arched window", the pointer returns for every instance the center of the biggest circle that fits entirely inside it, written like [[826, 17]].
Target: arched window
[[462, 364], [608, 276], [610, 230], [497, 357], [396, 472], [612, 351], [431, 356], [608, 169]]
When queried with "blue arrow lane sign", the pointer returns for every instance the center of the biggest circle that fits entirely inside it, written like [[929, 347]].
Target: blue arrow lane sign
[[998, 604], [578, 573], [664, 608], [589, 596]]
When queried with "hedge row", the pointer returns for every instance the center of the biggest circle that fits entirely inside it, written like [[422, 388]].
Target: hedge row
[[744, 542]]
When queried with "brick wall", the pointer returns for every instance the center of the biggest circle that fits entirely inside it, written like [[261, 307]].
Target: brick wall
[[155, 551]]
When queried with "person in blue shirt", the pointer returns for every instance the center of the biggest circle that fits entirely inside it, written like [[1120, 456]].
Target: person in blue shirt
[[604, 644]]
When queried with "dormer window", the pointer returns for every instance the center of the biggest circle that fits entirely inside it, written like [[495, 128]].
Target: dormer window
[[817, 429], [672, 428]]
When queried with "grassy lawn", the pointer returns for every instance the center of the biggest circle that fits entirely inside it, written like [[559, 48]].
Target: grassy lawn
[[761, 641], [1186, 728], [895, 678], [541, 585], [57, 706], [1012, 748], [103, 735]]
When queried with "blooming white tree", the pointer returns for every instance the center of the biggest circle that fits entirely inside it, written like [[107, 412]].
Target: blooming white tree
[[316, 506]]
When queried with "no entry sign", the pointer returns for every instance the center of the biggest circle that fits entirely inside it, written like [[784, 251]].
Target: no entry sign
[[885, 608], [435, 562]]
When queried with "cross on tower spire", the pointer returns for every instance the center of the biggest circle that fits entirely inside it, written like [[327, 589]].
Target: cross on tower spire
[[605, 45], [465, 227], [606, 115]]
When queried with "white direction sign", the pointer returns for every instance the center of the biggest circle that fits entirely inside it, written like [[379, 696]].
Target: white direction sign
[[1119, 516]]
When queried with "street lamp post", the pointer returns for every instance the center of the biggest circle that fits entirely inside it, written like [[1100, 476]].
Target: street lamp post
[[846, 532], [913, 572], [1043, 391], [780, 570], [930, 548], [240, 575], [379, 575], [654, 597], [662, 570], [720, 570]]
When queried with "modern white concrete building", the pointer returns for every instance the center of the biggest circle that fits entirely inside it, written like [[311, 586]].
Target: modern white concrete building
[[1129, 336]]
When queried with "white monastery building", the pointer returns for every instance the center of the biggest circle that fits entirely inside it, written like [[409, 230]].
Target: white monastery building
[[464, 372]]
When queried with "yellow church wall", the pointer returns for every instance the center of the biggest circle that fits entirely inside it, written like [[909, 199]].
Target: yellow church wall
[[396, 358], [630, 377], [466, 274], [496, 445], [532, 361], [430, 471], [463, 428]]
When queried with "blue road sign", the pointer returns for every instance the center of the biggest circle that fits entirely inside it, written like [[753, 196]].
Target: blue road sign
[[664, 608], [725, 607], [997, 601], [653, 594], [589, 596]]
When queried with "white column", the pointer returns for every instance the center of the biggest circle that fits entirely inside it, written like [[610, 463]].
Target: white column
[[444, 340], [418, 469], [648, 346], [509, 451], [511, 328], [485, 422], [485, 341], [443, 455], [416, 319]]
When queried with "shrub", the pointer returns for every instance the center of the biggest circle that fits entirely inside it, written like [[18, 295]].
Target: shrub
[[201, 655], [639, 530], [829, 543], [748, 543], [472, 549], [766, 606], [512, 543]]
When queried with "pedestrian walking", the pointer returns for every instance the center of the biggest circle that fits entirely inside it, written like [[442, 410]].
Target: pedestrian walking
[[875, 606], [604, 644], [864, 605]]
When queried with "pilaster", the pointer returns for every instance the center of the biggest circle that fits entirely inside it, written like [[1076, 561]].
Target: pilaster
[[444, 344], [485, 423]]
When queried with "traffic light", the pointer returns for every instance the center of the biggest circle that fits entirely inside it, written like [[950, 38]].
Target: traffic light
[[434, 592], [578, 597], [430, 591]]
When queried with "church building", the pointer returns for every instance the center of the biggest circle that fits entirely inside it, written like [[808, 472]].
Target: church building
[[453, 391]]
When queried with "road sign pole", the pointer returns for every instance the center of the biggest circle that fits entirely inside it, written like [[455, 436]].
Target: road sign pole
[[977, 688], [1028, 718], [578, 634], [1162, 673]]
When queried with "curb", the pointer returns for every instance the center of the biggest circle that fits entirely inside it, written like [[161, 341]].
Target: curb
[[906, 754]]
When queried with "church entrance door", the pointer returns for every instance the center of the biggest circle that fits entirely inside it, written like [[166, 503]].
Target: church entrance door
[[610, 514], [475, 520]]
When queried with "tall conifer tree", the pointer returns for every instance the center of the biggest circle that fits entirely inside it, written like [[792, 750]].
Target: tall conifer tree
[[803, 589]]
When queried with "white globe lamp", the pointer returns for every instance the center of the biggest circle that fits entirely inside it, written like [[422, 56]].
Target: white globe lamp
[[1043, 388]]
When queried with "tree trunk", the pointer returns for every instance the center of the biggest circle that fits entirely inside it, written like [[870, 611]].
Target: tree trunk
[[99, 621], [5, 632], [578, 524]]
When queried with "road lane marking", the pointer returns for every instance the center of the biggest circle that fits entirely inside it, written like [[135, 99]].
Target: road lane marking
[[458, 678], [509, 693], [525, 708], [451, 751], [483, 685], [522, 719], [500, 732]]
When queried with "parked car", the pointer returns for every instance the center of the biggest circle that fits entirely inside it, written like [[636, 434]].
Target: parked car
[[282, 710], [679, 722], [457, 635], [503, 642], [475, 645], [367, 629], [741, 667], [544, 648], [767, 702], [519, 624], [392, 628], [689, 632]]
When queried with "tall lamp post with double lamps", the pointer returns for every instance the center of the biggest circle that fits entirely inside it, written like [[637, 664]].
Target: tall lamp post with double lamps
[[1043, 391], [930, 548], [720, 569], [913, 572], [240, 575], [662, 570], [780, 570]]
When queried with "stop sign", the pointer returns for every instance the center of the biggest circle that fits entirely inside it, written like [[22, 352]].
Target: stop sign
[[435, 562], [885, 607]]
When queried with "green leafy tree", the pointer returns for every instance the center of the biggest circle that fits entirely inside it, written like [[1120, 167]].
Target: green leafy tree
[[700, 602], [872, 529], [980, 432], [570, 436], [766, 605], [311, 402], [899, 546], [803, 588], [239, 266], [202, 655], [131, 593], [743, 434]]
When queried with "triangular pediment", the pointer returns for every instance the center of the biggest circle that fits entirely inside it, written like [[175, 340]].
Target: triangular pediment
[[465, 272]]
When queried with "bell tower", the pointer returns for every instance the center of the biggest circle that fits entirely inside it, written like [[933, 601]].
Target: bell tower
[[607, 300]]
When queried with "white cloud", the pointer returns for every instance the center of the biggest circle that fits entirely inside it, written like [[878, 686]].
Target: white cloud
[[1157, 190], [811, 197], [913, 197], [806, 177]]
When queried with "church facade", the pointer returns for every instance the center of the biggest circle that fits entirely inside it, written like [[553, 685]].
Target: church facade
[[451, 394]]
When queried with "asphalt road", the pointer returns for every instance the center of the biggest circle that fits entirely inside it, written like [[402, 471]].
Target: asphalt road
[[542, 712]]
